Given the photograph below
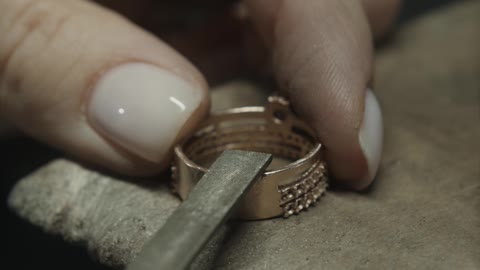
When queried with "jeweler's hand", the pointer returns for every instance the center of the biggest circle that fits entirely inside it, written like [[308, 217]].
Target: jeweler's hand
[[83, 79]]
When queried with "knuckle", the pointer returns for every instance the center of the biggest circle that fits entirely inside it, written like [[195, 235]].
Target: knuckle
[[33, 24], [32, 29]]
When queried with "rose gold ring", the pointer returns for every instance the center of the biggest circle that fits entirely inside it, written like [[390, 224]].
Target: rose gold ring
[[293, 182]]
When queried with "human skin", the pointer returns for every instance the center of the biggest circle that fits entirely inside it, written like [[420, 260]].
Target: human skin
[[79, 76]]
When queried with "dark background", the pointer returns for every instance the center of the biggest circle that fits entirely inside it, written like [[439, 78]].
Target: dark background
[[27, 247]]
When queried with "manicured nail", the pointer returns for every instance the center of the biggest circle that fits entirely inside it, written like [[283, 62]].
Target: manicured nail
[[142, 108], [371, 134]]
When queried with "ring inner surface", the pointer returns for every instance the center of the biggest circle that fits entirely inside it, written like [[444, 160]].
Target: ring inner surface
[[286, 140]]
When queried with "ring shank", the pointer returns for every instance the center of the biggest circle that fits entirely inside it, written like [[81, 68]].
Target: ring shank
[[283, 190]]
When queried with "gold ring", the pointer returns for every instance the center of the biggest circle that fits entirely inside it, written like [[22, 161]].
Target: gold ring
[[294, 181]]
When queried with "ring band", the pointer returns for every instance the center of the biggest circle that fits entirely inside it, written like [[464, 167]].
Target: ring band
[[295, 180]]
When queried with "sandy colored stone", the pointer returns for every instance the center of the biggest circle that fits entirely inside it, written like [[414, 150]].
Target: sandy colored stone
[[422, 213]]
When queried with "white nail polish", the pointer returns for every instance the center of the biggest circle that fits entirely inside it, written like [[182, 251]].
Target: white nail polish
[[371, 134], [142, 108]]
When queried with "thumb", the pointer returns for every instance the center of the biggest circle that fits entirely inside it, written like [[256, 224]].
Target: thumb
[[87, 81], [322, 58]]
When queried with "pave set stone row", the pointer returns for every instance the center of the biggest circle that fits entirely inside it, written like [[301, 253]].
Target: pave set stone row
[[301, 194]]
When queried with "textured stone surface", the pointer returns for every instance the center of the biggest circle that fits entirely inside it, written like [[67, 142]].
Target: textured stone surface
[[423, 211]]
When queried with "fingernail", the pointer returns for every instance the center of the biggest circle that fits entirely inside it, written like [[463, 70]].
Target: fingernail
[[142, 108], [371, 135]]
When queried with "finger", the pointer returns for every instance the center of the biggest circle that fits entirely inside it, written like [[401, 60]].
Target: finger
[[322, 58], [381, 15], [87, 81]]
